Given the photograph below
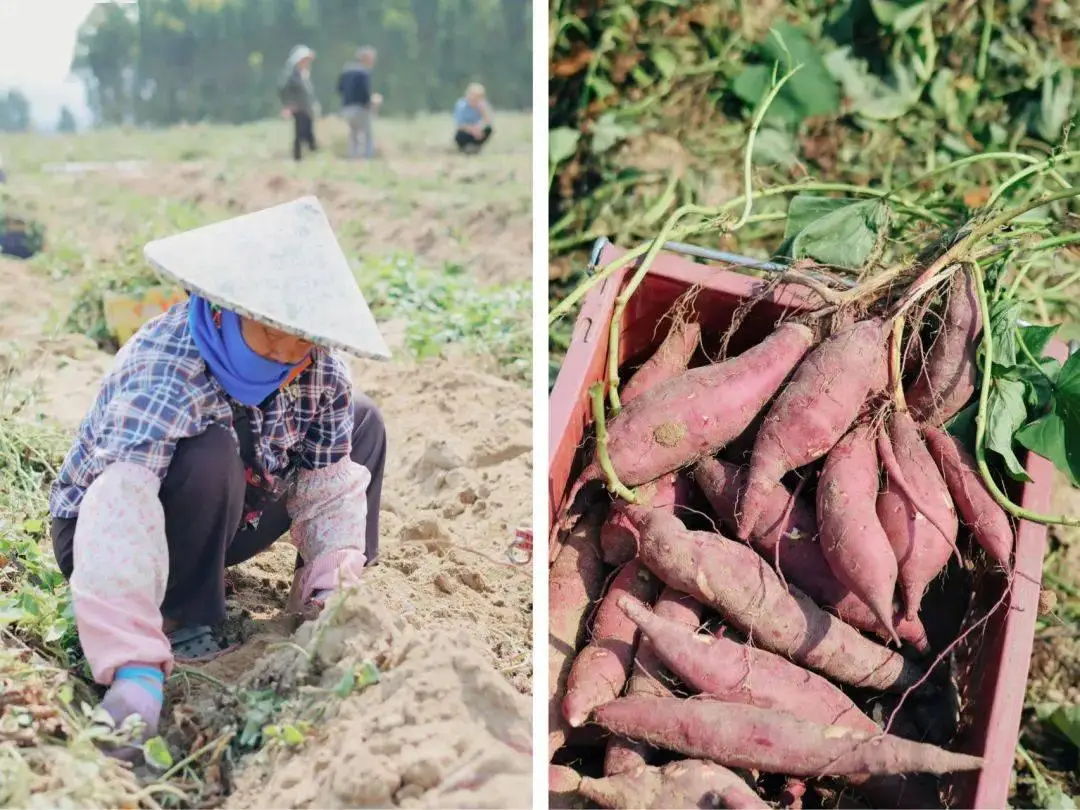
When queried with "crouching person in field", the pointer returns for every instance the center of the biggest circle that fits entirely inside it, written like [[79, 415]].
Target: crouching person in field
[[224, 423], [472, 119]]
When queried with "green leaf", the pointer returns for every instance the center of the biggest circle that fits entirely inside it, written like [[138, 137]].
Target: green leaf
[[1054, 109], [809, 92], [11, 613], [869, 95], [157, 753], [1046, 437], [607, 132], [753, 84], [601, 87], [1067, 720], [1006, 412], [1003, 315], [807, 208], [1037, 338], [368, 674], [292, 735], [776, 148], [662, 205], [899, 15], [962, 426], [345, 685], [33, 526], [562, 144], [666, 62], [843, 237], [812, 90]]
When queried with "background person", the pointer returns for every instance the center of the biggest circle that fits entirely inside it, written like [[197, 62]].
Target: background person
[[358, 103], [297, 94], [472, 119]]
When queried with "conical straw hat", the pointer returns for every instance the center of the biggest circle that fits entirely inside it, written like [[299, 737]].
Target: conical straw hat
[[281, 266]]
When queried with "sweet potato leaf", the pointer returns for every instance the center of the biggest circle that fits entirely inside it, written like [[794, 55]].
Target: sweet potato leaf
[[1037, 338], [1006, 413], [810, 92], [1046, 437], [843, 236], [1003, 315]]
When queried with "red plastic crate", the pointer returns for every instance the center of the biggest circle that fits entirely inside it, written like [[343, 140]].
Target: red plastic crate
[[995, 686]]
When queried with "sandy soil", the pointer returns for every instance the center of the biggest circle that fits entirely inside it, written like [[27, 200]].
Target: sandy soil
[[440, 729], [451, 715]]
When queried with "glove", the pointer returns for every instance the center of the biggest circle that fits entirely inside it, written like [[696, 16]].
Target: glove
[[316, 603], [136, 690]]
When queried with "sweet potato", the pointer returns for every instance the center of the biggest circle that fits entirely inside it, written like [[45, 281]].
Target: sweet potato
[[919, 548], [914, 528], [813, 411], [687, 783], [740, 736], [801, 559], [618, 537], [697, 412], [600, 670], [946, 380], [649, 677], [983, 515], [852, 539], [575, 581], [924, 499], [668, 361], [722, 667], [734, 580], [791, 528], [563, 784]]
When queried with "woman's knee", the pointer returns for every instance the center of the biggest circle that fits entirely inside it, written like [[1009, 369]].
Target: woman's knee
[[206, 466], [369, 430]]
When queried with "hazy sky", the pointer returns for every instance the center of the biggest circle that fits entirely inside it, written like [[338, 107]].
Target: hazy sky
[[37, 39]]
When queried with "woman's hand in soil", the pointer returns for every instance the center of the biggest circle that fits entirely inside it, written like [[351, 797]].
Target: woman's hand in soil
[[137, 691], [316, 603]]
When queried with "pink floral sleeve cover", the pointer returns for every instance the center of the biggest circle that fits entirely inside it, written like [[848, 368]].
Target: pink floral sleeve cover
[[122, 560]]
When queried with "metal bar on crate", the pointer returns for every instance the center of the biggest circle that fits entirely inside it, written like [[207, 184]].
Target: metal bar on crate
[[594, 257], [699, 252], [744, 261], [721, 256]]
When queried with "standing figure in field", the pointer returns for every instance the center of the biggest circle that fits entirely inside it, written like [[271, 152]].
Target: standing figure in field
[[358, 103], [472, 119], [224, 423], [298, 100]]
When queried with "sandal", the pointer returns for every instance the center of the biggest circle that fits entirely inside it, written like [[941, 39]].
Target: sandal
[[197, 644]]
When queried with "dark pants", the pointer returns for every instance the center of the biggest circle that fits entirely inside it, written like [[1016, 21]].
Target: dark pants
[[203, 499], [469, 143], [304, 132]]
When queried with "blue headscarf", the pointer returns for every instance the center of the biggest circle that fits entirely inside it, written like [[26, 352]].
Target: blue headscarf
[[247, 377]]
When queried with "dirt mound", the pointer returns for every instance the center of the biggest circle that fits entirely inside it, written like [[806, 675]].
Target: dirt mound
[[440, 729]]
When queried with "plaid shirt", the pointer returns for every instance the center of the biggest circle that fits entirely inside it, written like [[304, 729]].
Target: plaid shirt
[[159, 392]]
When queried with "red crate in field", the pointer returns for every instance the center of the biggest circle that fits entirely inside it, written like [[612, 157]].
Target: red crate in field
[[994, 665]]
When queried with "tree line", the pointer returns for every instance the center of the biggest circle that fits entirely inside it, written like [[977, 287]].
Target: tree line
[[162, 62], [15, 114]]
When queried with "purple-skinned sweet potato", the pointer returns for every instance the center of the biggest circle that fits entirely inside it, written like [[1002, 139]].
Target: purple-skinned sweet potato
[[813, 411], [852, 539], [802, 561], [983, 515], [740, 585], [699, 411], [946, 380]]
